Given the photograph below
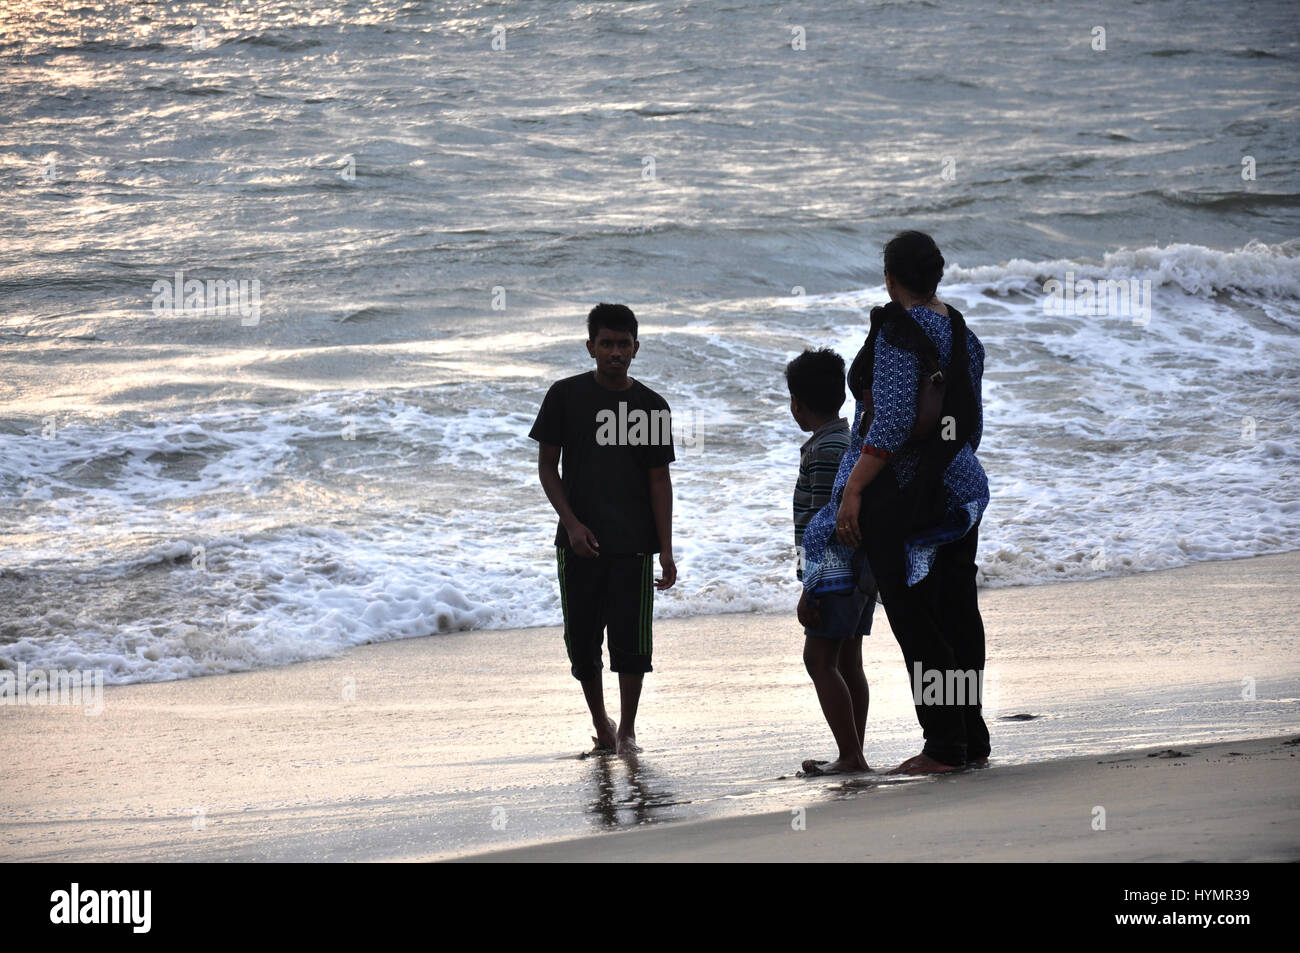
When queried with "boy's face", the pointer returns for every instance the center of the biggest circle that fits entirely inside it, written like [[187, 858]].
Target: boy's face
[[798, 413], [613, 351]]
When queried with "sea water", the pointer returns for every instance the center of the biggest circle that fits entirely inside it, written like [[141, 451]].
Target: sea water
[[398, 213]]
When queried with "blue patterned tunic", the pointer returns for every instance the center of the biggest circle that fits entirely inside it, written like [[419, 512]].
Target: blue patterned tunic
[[895, 374]]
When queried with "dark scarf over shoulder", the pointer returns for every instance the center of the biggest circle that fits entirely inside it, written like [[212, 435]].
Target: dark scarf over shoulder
[[922, 504]]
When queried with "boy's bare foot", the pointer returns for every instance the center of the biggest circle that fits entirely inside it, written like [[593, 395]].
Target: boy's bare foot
[[606, 740], [627, 744], [924, 764]]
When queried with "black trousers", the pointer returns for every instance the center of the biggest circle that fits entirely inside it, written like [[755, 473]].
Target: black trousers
[[938, 626]]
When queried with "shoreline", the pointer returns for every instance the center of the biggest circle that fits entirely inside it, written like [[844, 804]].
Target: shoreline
[[984, 593]]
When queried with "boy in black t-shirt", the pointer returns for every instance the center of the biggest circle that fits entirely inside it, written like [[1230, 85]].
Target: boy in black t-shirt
[[615, 503]]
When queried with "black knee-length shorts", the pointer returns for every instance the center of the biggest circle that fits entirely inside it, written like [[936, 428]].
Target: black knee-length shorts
[[607, 592]]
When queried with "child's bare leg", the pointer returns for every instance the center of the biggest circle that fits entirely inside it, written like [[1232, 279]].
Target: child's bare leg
[[820, 659], [594, 691], [629, 693], [850, 666]]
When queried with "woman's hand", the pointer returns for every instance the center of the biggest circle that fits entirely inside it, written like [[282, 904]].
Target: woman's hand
[[846, 520], [863, 473]]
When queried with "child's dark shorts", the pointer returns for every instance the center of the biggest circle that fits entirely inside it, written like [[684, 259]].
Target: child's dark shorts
[[845, 615]]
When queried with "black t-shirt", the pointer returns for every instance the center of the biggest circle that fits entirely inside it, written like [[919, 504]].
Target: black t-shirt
[[608, 440]]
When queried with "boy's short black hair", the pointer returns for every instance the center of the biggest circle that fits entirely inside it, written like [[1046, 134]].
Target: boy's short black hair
[[616, 317], [817, 379]]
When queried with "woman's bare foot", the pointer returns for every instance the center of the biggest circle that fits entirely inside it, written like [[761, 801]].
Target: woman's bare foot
[[924, 764], [902, 768], [606, 740]]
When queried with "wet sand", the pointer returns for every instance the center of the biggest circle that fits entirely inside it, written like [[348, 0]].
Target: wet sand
[[1228, 802], [462, 744]]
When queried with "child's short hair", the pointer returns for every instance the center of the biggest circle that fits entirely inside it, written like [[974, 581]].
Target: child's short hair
[[817, 379], [616, 317]]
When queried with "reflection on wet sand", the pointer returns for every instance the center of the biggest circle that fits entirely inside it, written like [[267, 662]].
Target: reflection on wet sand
[[645, 797]]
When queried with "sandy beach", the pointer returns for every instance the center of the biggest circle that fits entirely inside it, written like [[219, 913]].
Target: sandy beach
[[458, 745]]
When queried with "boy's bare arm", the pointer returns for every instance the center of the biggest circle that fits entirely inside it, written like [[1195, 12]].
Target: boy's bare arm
[[582, 540], [661, 501]]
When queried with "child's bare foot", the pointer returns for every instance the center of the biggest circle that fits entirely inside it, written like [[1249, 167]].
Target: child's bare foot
[[627, 743], [846, 766], [606, 740], [813, 767], [924, 764]]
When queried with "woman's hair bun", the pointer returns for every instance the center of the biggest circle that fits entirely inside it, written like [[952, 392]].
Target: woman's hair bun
[[915, 262]]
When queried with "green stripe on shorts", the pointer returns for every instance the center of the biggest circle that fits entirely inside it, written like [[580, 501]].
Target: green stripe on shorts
[[564, 599], [647, 605]]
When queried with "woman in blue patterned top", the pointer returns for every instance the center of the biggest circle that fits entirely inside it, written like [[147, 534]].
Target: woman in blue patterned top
[[924, 565]]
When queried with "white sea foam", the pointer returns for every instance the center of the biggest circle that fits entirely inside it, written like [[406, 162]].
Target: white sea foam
[[1267, 275]]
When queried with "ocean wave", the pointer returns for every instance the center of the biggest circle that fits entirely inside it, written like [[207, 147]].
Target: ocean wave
[[1255, 269], [276, 41], [1231, 201]]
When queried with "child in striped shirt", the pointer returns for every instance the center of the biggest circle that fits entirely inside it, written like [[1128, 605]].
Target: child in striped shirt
[[834, 622]]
